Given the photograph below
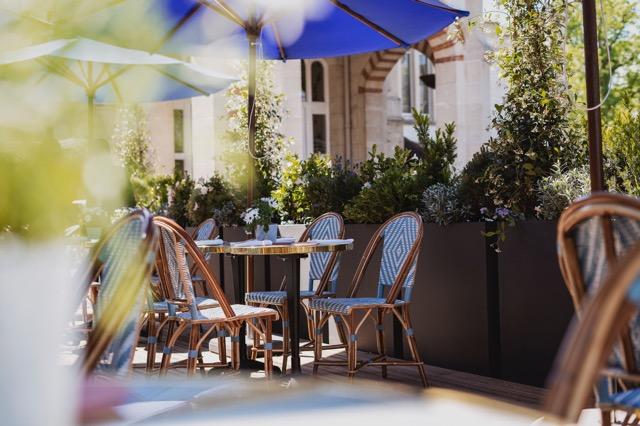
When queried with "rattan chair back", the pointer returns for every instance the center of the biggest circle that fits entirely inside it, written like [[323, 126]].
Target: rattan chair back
[[122, 262], [401, 239], [590, 340], [324, 267]]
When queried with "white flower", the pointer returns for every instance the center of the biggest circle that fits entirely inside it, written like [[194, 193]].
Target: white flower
[[270, 201], [367, 185], [249, 216]]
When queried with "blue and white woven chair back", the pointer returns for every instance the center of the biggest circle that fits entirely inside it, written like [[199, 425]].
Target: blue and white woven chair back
[[177, 268], [327, 228], [127, 259], [399, 237], [589, 239], [205, 230]]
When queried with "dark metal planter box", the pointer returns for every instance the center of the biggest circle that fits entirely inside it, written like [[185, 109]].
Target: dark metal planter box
[[473, 310], [535, 307], [454, 299]]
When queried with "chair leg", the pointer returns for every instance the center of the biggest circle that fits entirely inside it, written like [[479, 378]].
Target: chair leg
[[352, 347], [317, 342], [342, 334], [151, 341], [256, 340], [222, 345], [309, 317], [235, 348], [413, 347], [380, 340], [606, 417], [168, 349], [285, 337], [268, 349], [192, 356]]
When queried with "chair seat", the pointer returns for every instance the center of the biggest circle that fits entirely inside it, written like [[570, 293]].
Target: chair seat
[[345, 305], [241, 311], [278, 297], [203, 303], [629, 399]]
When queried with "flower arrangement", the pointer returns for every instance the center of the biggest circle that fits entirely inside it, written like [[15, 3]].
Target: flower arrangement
[[263, 213]]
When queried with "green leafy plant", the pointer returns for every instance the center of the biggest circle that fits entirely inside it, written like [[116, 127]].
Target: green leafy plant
[[439, 152], [212, 198], [533, 124], [395, 184], [561, 188], [441, 204], [315, 186], [152, 191], [391, 185], [179, 195], [472, 184], [622, 151], [290, 194], [270, 143], [329, 184]]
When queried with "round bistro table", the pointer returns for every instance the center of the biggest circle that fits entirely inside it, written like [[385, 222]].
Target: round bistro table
[[291, 254]]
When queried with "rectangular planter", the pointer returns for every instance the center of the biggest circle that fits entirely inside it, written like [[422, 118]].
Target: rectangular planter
[[535, 306], [453, 302]]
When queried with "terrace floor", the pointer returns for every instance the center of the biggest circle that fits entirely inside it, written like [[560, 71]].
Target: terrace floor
[[527, 396]]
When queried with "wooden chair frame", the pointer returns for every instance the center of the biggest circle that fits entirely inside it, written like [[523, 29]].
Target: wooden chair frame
[[230, 324], [602, 205], [283, 309], [115, 315], [353, 324], [589, 343]]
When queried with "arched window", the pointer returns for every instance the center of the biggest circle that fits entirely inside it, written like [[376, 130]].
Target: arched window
[[316, 106]]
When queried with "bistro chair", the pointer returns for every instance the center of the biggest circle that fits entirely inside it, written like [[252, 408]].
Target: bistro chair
[[593, 234], [185, 311], [588, 347], [401, 239], [122, 262], [207, 230], [158, 307], [323, 269]]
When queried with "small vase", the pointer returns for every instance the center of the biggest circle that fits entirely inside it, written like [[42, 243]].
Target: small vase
[[271, 234]]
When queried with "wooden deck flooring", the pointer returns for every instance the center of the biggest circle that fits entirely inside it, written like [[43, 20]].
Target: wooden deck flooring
[[516, 393]]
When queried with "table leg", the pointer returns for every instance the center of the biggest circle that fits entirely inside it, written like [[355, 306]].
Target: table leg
[[239, 290], [293, 302]]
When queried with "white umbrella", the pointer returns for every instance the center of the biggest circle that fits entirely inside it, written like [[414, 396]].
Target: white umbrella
[[108, 73]]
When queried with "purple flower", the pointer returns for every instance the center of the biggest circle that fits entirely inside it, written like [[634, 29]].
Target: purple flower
[[502, 212], [484, 211]]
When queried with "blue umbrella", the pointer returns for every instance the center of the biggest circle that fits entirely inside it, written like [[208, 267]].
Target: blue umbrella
[[286, 29], [108, 73]]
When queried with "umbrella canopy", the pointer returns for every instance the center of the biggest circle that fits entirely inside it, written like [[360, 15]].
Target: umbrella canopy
[[108, 73], [286, 29], [114, 74]]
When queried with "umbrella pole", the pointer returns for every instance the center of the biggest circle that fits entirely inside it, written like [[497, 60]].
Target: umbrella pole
[[252, 117], [91, 109], [590, 25]]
